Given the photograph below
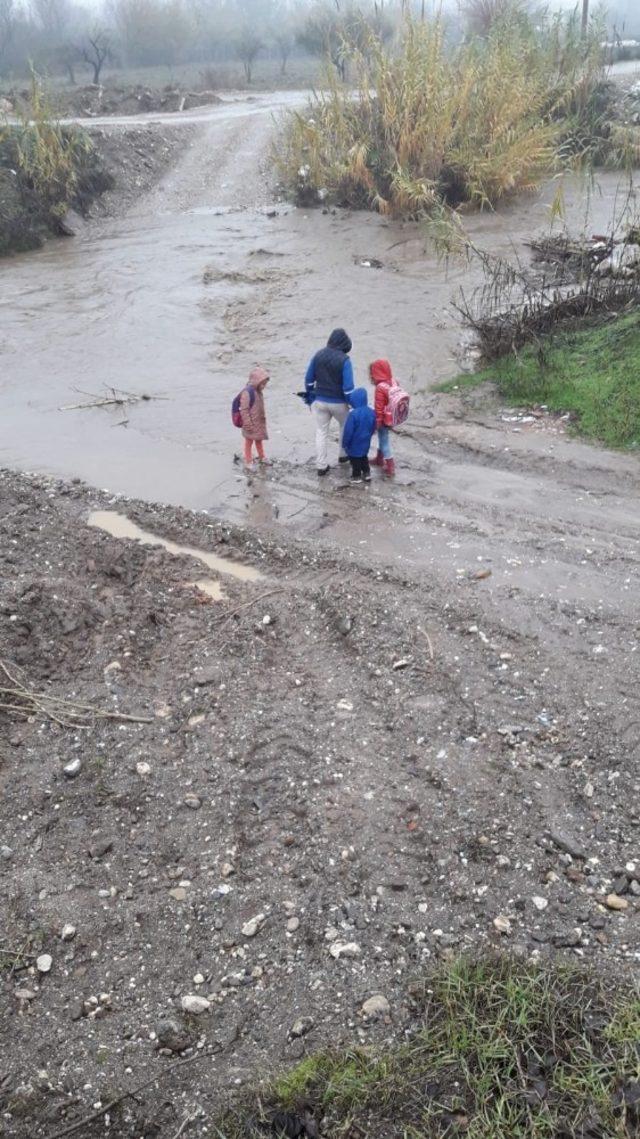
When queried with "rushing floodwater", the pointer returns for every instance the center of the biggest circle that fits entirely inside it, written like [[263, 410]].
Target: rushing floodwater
[[180, 298]]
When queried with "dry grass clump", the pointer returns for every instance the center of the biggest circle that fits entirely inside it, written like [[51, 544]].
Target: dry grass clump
[[429, 124]]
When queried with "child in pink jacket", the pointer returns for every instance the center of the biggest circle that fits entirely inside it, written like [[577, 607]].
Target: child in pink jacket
[[253, 414]]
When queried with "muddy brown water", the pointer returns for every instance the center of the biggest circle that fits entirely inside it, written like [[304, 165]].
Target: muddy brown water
[[127, 304]]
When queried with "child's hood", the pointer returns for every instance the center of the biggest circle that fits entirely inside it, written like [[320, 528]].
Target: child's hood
[[358, 398], [380, 372], [257, 376]]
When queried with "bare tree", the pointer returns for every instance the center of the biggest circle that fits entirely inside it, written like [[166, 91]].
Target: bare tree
[[284, 41], [52, 15], [585, 17], [248, 44], [95, 49], [481, 15], [7, 23]]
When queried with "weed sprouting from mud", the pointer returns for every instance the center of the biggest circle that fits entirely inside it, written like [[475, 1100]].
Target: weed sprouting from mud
[[430, 124], [500, 1048]]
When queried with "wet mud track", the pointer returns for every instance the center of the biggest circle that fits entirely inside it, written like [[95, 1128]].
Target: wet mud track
[[382, 745]]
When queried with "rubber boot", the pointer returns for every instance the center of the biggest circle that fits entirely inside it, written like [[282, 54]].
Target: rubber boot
[[389, 468], [378, 461]]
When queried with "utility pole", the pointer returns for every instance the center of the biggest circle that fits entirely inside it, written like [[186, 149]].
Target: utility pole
[[585, 17]]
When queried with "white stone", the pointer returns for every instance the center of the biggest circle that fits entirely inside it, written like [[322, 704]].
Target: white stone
[[68, 932], [344, 949], [195, 1005], [540, 903], [253, 926], [377, 1005], [143, 768], [44, 963]]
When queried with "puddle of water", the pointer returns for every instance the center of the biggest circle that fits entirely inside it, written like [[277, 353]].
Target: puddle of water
[[119, 526]]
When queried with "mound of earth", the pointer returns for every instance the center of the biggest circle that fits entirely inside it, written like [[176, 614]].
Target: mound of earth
[[93, 99]]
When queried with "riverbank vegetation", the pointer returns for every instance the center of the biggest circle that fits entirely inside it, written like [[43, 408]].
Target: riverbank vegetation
[[499, 1048], [435, 124], [45, 170], [592, 374]]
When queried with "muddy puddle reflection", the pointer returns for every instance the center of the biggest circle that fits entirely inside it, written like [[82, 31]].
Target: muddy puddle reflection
[[119, 526]]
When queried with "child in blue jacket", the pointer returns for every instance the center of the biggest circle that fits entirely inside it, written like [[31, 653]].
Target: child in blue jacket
[[358, 431]]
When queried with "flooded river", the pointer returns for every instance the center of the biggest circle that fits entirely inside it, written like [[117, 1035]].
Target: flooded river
[[200, 281]]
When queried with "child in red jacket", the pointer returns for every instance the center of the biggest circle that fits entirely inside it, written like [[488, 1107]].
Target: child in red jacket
[[382, 378]]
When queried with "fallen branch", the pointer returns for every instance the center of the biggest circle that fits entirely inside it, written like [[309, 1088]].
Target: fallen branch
[[86, 1119], [117, 398], [428, 640], [183, 1126], [66, 713]]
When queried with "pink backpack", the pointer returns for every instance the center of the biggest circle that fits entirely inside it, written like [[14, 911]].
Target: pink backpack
[[397, 409]]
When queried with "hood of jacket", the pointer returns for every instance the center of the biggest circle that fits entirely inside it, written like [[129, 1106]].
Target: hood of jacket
[[358, 398], [380, 372], [339, 339], [257, 377]]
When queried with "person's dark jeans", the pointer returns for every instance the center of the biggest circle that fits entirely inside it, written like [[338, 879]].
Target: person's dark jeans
[[359, 466]]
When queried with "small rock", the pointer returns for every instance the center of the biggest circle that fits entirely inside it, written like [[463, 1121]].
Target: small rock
[[72, 769], [254, 925], [68, 932], [293, 924], [345, 625], [194, 802], [539, 902], [198, 979], [400, 664], [377, 1005], [100, 845], [6, 853], [503, 862], [634, 888], [179, 893], [502, 924], [44, 963], [568, 939], [227, 870], [195, 1005], [568, 844], [344, 949], [25, 994], [143, 768], [173, 1035], [614, 902], [301, 1027], [621, 885]]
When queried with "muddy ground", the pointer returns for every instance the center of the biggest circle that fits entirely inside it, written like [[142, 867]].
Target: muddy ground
[[348, 771]]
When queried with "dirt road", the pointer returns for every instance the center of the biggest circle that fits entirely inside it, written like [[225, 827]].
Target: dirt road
[[421, 719]]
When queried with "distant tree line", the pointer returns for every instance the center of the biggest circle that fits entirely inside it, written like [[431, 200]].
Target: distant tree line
[[65, 37]]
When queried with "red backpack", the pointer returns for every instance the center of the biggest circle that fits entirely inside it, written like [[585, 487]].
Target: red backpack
[[397, 409], [236, 414]]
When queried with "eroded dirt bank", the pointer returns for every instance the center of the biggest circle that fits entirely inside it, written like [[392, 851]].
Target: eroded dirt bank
[[349, 770]]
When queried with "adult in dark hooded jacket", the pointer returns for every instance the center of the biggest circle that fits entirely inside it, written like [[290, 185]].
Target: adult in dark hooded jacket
[[328, 382]]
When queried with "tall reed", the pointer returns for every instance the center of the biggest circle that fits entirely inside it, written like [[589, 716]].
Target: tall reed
[[425, 124]]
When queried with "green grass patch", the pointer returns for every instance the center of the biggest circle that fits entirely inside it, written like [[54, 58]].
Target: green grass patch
[[499, 1050], [592, 373]]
